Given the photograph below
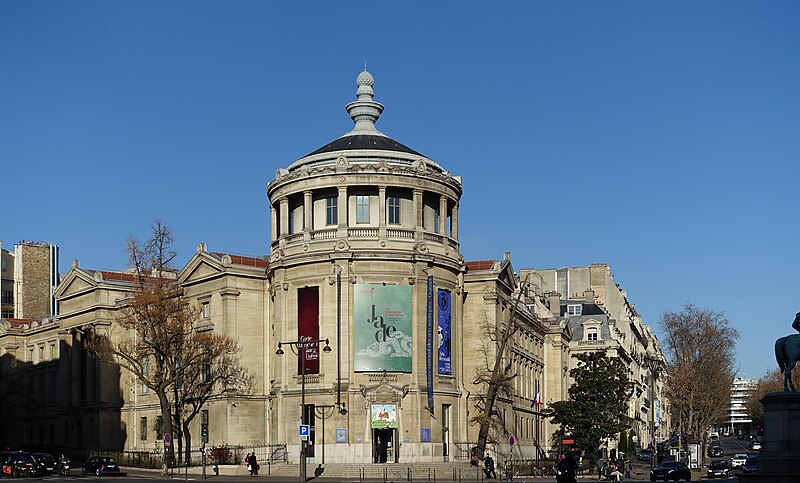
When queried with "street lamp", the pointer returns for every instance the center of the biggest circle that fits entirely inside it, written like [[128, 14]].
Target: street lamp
[[299, 347], [654, 364]]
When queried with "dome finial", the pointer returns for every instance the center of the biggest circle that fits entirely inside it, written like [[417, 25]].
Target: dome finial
[[364, 111]]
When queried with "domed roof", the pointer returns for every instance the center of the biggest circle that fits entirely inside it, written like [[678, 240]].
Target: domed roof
[[364, 136]]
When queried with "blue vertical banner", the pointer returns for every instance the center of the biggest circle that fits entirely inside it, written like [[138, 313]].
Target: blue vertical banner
[[444, 318], [429, 343]]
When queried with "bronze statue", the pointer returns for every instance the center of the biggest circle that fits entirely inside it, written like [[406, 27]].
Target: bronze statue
[[787, 353]]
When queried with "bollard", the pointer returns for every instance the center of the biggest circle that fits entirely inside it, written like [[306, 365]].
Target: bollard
[[384, 475], [434, 475], [454, 474], [408, 473]]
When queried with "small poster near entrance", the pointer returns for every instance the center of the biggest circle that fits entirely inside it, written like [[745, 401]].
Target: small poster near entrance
[[341, 435], [383, 416], [425, 437]]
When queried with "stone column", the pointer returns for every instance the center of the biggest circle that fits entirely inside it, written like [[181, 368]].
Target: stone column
[[273, 221], [382, 212], [308, 208], [418, 208], [454, 222], [284, 229], [341, 211], [442, 228]]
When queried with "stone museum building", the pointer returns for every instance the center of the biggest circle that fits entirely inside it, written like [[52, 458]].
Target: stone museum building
[[364, 321]]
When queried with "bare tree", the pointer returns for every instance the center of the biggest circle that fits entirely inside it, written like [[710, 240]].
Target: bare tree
[[700, 348], [212, 369], [497, 373], [155, 320]]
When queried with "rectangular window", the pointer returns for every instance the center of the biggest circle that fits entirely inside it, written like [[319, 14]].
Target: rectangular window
[[574, 309], [592, 334], [52, 351], [159, 428], [145, 373], [8, 297], [394, 210], [206, 310], [436, 220], [332, 210], [41, 353], [7, 314], [362, 209], [143, 429]]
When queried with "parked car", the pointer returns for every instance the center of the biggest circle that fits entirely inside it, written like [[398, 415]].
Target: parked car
[[755, 445], [100, 465], [715, 452], [671, 470], [719, 469], [645, 454], [17, 464], [751, 464], [47, 464], [737, 461]]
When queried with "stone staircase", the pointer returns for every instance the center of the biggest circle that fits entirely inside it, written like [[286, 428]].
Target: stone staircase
[[433, 471]]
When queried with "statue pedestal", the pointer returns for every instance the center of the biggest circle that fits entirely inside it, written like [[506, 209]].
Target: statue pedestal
[[779, 460]]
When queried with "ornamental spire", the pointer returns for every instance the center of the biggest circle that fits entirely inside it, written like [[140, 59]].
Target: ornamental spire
[[364, 111]]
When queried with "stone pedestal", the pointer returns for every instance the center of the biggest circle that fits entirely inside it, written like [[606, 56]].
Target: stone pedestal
[[779, 460]]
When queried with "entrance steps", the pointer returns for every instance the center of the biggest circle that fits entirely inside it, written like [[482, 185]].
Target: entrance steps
[[431, 471]]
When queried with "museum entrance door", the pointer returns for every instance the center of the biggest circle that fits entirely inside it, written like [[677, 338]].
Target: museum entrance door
[[384, 449]]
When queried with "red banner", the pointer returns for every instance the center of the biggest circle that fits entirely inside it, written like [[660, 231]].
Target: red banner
[[308, 328]]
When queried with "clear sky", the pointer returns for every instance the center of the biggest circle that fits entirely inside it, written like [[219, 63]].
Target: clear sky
[[661, 138]]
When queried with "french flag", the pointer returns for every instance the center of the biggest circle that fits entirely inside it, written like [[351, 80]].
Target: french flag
[[536, 402]]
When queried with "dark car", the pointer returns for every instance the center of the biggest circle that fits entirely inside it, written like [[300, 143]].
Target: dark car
[[719, 469], [751, 464], [671, 470], [101, 465], [715, 451], [645, 454], [47, 464], [17, 464]]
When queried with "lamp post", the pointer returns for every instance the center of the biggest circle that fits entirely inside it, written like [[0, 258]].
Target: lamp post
[[654, 364], [301, 346]]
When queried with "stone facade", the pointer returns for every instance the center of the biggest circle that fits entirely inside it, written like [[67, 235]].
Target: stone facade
[[600, 317], [364, 259]]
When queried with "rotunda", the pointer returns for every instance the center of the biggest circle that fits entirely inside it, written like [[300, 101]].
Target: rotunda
[[364, 258]]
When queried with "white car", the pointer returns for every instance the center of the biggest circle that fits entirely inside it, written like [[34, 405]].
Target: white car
[[737, 461], [756, 446]]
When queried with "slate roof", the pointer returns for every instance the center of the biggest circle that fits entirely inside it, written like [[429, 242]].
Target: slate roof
[[363, 141]]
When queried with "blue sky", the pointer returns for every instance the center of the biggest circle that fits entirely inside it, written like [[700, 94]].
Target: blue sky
[[659, 137]]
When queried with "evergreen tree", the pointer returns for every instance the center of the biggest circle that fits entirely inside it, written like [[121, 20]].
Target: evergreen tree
[[598, 401]]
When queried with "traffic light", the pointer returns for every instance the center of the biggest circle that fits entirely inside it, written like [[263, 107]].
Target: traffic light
[[204, 433]]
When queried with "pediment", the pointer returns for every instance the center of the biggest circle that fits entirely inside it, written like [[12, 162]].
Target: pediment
[[202, 270], [75, 281], [202, 265], [384, 392]]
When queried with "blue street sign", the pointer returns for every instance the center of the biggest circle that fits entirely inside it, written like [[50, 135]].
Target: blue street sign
[[305, 430]]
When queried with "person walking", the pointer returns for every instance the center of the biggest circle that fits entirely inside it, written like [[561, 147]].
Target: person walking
[[253, 464], [247, 463], [488, 467], [599, 469]]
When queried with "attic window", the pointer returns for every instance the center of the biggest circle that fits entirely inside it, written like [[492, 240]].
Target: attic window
[[575, 309], [206, 311]]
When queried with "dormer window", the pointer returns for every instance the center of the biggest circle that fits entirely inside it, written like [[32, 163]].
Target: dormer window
[[574, 309], [591, 330]]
